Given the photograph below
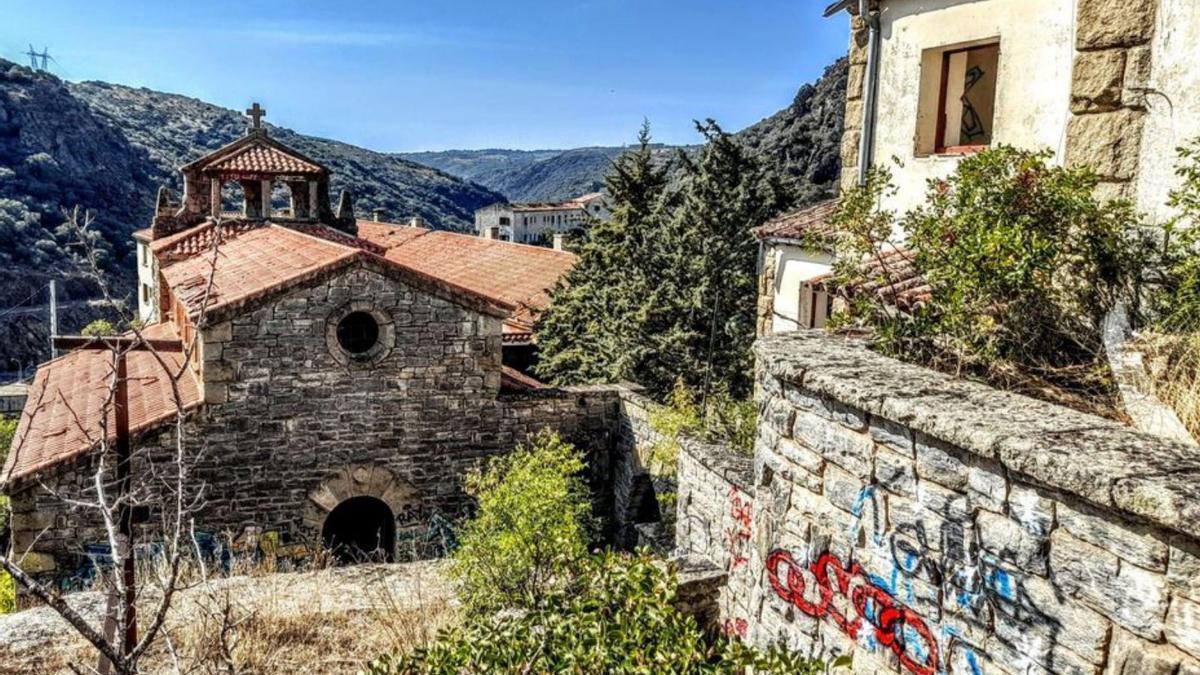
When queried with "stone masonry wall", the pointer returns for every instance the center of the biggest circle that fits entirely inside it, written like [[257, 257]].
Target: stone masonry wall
[[1109, 85], [292, 428], [926, 524]]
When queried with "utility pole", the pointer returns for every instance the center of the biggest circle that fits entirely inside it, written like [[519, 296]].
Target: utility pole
[[53, 318]]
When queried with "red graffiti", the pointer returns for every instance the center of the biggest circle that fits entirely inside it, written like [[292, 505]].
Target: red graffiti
[[735, 627], [739, 533], [835, 584]]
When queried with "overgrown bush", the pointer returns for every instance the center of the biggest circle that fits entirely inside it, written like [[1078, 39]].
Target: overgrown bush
[[1022, 262], [8, 594], [1179, 304], [721, 419], [530, 529], [616, 616]]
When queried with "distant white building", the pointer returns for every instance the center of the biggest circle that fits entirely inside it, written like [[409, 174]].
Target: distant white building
[[538, 222]]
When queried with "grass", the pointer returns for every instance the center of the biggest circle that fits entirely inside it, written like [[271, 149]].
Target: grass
[[1173, 362], [326, 621]]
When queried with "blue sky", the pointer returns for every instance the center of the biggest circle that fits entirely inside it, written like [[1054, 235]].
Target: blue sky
[[440, 74]]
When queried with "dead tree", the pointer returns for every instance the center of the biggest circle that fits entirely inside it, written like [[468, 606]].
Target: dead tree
[[128, 483]]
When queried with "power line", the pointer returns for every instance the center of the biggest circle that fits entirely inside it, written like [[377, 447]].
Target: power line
[[21, 305]]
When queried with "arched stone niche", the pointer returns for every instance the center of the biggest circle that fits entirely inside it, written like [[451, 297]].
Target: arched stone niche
[[356, 480]]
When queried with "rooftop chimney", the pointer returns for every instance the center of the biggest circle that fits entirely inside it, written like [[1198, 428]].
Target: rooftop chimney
[[558, 241], [345, 207], [416, 221], [377, 215]]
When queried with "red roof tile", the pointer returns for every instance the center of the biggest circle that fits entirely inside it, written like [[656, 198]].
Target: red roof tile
[[249, 264], [891, 276], [809, 223], [264, 159], [516, 275], [512, 379], [62, 417]]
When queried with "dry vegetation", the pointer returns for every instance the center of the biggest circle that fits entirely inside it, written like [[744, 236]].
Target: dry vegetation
[[327, 621], [1173, 362]]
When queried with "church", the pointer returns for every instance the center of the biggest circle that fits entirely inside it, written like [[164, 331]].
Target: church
[[345, 375]]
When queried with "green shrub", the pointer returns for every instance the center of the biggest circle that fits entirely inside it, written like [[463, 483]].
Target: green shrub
[[1022, 261], [99, 328], [722, 419], [1180, 302], [617, 617], [8, 594], [530, 529]]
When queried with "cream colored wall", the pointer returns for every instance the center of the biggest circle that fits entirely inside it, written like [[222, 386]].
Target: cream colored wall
[[1173, 105], [1033, 84], [793, 265]]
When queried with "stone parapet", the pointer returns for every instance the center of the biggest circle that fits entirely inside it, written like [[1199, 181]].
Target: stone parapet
[[928, 524]]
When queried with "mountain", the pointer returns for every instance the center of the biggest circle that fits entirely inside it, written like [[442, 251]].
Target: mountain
[[107, 148], [802, 141]]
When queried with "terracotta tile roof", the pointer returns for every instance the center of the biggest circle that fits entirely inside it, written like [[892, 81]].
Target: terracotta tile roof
[[265, 159], [62, 417], [512, 379], [516, 275], [197, 240], [892, 277], [809, 223], [251, 262]]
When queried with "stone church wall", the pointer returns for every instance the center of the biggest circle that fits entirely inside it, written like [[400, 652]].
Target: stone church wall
[[291, 429], [926, 524]]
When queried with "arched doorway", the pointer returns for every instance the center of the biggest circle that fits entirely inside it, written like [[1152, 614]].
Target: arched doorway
[[360, 529]]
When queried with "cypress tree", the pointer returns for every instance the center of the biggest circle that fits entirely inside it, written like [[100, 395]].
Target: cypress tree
[[588, 334]]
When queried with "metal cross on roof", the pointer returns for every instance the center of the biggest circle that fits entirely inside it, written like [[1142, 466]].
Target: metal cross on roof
[[256, 113]]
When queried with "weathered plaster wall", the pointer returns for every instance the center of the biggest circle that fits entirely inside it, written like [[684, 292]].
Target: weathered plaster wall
[[1171, 94], [1033, 85], [927, 525], [793, 265]]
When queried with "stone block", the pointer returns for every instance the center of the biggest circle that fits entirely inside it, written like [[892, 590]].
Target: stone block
[[854, 81], [1031, 509], [1113, 23], [987, 486], [801, 456], [948, 504], [1131, 655], [1098, 80], [1011, 543], [894, 472], [1108, 142], [1183, 567], [892, 434], [1125, 593], [941, 463], [843, 490], [1138, 69], [36, 563], [1183, 625], [848, 449], [1128, 541]]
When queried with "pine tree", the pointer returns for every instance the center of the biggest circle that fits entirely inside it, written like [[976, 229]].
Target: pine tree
[[699, 320], [588, 334], [666, 291]]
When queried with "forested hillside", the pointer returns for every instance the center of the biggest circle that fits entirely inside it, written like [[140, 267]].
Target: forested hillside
[[106, 148], [801, 142]]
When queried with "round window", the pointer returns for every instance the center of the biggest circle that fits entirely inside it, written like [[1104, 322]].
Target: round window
[[358, 332]]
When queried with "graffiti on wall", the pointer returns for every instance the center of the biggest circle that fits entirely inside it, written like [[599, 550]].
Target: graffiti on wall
[[847, 596], [737, 537], [876, 609]]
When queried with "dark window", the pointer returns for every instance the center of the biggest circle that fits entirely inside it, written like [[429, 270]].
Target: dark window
[[358, 332]]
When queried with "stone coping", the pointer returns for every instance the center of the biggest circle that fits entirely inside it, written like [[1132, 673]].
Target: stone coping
[[721, 460], [1109, 464]]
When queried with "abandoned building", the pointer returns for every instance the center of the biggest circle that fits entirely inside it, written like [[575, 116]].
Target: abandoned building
[[539, 222], [1099, 82], [347, 372]]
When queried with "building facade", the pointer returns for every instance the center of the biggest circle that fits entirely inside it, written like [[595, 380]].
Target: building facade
[[334, 377], [1106, 83], [537, 222]]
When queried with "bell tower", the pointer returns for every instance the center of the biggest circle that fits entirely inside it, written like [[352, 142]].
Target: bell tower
[[261, 166]]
